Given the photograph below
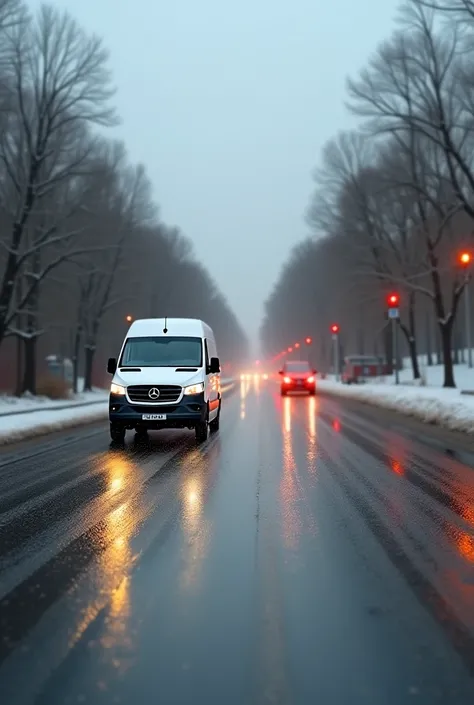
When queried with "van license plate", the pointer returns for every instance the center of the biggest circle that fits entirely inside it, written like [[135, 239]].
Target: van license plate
[[153, 417]]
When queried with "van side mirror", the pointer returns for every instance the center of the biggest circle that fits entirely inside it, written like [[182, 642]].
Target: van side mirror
[[112, 365], [215, 366]]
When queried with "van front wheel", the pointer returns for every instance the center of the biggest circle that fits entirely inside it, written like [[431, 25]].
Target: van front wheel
[[202, 431], [117, 433]]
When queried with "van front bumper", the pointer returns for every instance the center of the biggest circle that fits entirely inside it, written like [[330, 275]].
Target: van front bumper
[[190, 411]]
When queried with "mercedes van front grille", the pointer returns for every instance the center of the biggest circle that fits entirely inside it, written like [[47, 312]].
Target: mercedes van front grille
[[153, 393]]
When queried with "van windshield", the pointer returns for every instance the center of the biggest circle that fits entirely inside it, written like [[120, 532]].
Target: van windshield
[[162, 352]]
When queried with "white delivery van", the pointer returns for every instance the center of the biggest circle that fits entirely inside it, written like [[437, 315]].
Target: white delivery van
[[167, 376]]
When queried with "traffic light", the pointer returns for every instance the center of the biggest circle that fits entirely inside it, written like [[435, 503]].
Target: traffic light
[[393, 300], [308, 341], [334, 329]]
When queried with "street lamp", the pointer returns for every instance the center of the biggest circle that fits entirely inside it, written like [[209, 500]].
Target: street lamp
[[129, 318], [465, 260], [297, 345], [308, 341]]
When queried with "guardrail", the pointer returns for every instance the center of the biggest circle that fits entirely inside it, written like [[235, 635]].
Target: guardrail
[[226, 384]]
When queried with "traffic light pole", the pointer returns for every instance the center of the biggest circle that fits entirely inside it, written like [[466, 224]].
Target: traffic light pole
[[467, 311], [395, 349], [335, 338]]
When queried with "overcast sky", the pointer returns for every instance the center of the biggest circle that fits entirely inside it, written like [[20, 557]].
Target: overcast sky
[[228, 105]]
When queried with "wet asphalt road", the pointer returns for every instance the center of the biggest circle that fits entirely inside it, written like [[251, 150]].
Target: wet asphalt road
[[307, 553]]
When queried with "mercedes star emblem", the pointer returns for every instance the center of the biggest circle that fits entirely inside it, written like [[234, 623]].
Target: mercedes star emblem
[[154, 393]]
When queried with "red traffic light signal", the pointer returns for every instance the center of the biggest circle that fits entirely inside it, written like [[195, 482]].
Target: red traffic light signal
[[334, 328], [393, 300], [308, 341]]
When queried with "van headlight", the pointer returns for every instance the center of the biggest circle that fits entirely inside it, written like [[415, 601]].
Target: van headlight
[[194, 388], [117, 389]]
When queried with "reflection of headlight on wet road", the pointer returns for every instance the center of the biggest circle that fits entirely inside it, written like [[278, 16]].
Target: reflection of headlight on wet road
[[287, 414], [312, 416], [192, 500], [118, 514], [118, 470], [116, 484]]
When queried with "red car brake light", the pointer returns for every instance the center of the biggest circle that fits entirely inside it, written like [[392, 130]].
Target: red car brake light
[[310, 379], [287, 380]]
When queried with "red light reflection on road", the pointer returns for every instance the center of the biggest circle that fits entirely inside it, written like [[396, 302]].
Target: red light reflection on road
[[289, 484], [396, 467], [336, 424], [465, 544]]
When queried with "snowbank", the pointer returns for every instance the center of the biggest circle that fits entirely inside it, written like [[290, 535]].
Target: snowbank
[[445, 407], [37, 422], [30, 416], [28, 403]]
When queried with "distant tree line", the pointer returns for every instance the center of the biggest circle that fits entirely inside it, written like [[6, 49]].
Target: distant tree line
[[393, 203], [81, 242]]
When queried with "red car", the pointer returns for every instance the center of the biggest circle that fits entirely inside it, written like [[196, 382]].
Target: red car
[[297, 376]]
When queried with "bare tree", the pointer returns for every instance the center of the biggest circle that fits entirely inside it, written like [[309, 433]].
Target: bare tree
[[133, 208], [367, 208], [407, 93], [59, 85], [458, 10]]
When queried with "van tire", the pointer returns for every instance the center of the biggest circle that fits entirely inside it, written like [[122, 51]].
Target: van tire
[[215, 423], [117, 433], [202, 431]]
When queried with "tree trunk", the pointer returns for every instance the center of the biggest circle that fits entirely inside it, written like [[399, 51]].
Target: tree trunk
[[429, 341], [456, 343], [89, 353], [439, 348], [29, 377], [75, 359], [413, 357], [446, 331], [411, 339], [11, 269], [412, 350], [29, 374], [19, 340], [19, 367]]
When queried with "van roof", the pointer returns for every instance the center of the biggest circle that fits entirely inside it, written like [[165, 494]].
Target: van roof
[[192, 327]]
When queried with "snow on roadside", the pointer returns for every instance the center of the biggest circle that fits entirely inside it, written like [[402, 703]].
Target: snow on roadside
[[37, 423], [445, 407], [28, 402]]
